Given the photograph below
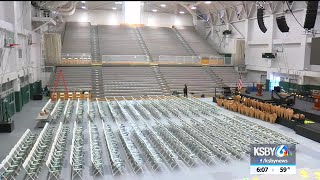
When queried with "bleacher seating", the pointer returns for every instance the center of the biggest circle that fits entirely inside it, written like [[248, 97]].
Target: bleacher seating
[[129, 81], [77, 78], [228, 75], [197, 80], [76, 38], [162, 41], [200, 46], [118, 40]]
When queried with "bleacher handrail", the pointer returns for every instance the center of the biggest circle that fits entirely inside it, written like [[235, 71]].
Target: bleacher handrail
[[179, 59], [125, 58]]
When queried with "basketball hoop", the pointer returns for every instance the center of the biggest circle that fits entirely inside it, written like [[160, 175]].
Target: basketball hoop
[[13, 45]]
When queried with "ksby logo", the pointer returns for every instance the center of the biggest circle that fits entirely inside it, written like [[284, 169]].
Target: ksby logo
[[282, 151]]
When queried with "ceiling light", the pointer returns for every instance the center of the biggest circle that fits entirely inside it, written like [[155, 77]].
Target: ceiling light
[[83, 2], [114, 8], [118, 2], [154, 10], [181, 12], [83, 7], [208, 2], [193, 7], [163, 5]]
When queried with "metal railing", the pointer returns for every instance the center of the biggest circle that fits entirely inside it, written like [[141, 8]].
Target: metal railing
[[77, 56], [216, 60], [124, 58], [179, 59]]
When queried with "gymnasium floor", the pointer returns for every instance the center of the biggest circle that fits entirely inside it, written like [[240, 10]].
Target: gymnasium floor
[[308, 152]]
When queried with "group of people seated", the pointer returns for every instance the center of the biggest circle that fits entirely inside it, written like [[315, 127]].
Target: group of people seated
[[257, 109]]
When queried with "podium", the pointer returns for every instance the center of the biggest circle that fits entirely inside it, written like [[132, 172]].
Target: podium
[[316, 104], [259, 89]]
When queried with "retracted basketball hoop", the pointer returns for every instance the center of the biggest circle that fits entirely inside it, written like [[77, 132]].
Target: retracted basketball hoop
[[13, 45]]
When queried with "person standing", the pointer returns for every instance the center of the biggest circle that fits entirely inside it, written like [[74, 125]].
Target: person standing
[[185, 91]]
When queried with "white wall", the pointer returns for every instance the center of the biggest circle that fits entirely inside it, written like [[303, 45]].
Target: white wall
[[105, 17], [294, 57], [16, 17]]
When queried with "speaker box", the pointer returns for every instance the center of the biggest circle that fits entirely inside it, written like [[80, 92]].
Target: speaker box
[[282, 24], [260, 20], [311, 15]]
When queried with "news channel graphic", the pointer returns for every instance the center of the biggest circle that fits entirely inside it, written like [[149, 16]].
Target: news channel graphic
[[273, 159]]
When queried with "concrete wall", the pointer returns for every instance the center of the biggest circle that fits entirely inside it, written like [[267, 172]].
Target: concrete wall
[[105, 17]]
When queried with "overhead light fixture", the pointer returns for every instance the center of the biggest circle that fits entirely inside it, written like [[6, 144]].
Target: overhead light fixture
[[154, 10], [118, 2], [181, 12], [114, 8], [163, 5], [193, 7], [83, 2], [83, 7], [208, 2]]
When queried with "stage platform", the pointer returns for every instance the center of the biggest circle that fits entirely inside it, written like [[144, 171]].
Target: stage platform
[[311, 131], [300, 106]]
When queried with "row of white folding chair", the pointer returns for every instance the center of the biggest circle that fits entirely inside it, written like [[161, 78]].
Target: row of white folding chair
[[132, 153], [165, 151], [180, 149], [194, 145], [142, 110], [196, 107], [95, 150], [275, 135], [50, 106], [113, 113], [218, 149], [223, 123], [57, 111], [90, 110], [149, 151], [243, 138], [210, 108], [33, 162], [117, 163], [122, 110], [237, 148], [170, 103], [68, 111], [56, 155], [152, 110], [171, 159], [100, 110], [237, 152], [195, 111], [244, 130], [77, 153], [79, 111], [169, 108], [161, 109], [221, 146], [11, 165], [235, 125]]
